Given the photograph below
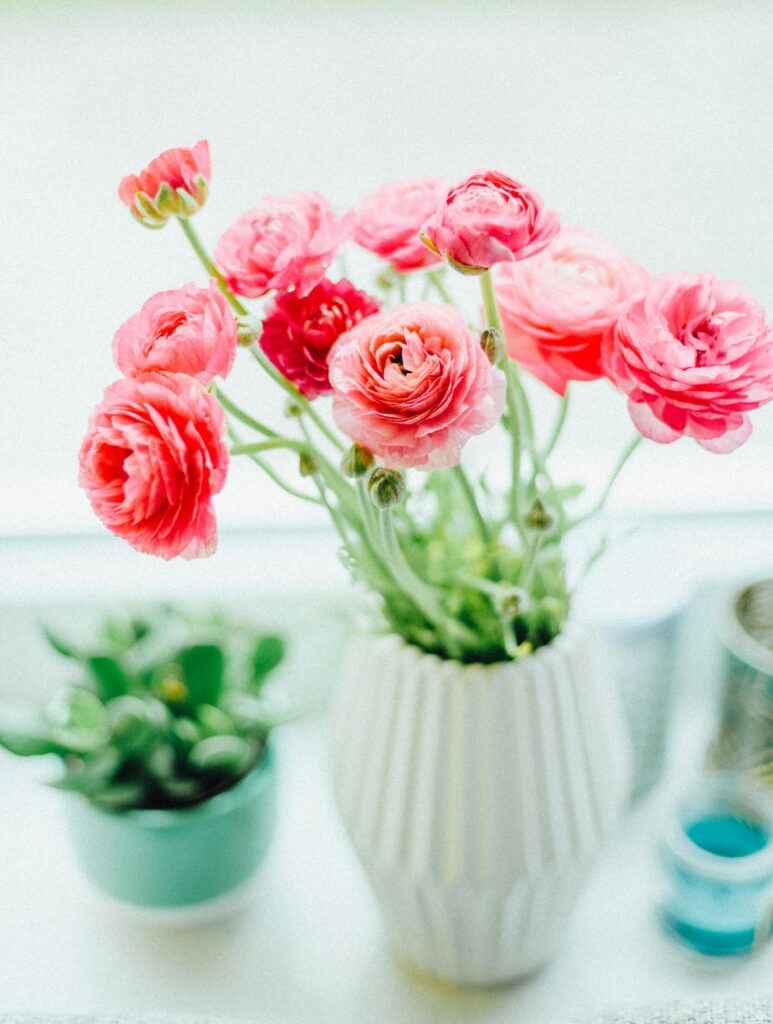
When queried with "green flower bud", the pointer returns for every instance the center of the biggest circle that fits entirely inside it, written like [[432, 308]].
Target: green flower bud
[[248, 329], [538, 518], [511, 602], [491, 343], [356, 462], [307, 464], [386, 487]]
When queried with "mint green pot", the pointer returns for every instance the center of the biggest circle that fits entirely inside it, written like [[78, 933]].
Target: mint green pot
[[178, 858]]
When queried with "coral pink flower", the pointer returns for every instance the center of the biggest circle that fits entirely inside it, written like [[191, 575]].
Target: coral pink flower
[[298, 332], [175, 184], [189, 330], [413, 385], [151, 461], [557, 306], [694, 356], [488, 219], [286, 242], [388, 222]]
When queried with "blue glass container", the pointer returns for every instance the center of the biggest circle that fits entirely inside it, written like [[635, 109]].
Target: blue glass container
[[718, 856]]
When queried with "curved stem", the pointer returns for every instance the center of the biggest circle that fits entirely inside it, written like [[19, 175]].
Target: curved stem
[[273, 475], [435, 277], [303, 403], [469, 496], [417, 590], [272, 444], [624, 457], [512, 397], [558, 426], [242, 416], [206, 261]]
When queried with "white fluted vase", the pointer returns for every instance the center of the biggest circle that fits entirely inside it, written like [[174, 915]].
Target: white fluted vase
[[478, 796]]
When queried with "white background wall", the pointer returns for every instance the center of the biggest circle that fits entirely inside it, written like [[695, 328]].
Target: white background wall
[[647, 122]]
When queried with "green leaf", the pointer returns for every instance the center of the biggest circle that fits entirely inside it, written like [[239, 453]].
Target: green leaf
[[202, 668], [214, 721], [24, 733], [109, 676], [137, 723], [60, 646], [78, 721], [269, 652], [221, 753]]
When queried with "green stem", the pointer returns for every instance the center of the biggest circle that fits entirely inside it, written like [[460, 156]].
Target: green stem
[[417, 590], [272, 444], [206, 261], [301, 401], [242, 416], [624, 457], [530, 560], [558, 426], [469, 496], [272, 474], [435, 277], [514, 415]]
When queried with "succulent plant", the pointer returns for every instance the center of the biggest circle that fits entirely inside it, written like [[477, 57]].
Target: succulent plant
[[169, 712]]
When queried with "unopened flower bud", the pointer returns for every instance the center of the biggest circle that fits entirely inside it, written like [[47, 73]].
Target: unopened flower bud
[[538, 518], [491, 343], [293, 408], [175, 184], [249, 328], [386, 487], [356, 462], [307, 464], [510, 602]]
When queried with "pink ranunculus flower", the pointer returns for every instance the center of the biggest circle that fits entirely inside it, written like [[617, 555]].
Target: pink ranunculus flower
[[285, 242], [413, 385], [299, 331], [389, 221], [188, 330], [489, 219], [175, 184], [152, 459], [557, 306], [694, 356]]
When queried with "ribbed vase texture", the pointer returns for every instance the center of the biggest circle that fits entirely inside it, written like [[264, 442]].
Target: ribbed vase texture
[[477, 797]]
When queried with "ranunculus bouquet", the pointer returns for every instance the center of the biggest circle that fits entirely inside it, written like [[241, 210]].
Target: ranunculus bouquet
[[462, 571]]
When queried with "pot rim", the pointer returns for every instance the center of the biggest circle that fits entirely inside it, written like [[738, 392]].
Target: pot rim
[[213, 807], [732, 634], [570, 633]]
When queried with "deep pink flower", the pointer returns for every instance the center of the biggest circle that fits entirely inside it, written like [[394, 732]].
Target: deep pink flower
[[189, 330], [175, 184], [413, 385], [286, 242], [488, 219], [152, 459], [557, 306], [694, 356], [389, 221], [298, 332]]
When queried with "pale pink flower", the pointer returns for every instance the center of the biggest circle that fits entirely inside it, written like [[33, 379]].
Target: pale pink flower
[[694, 356], [285, 242], [389, 221], [557, 306], [489, 219], [188, 330], [413, 385], [175, 184], [152, 459]]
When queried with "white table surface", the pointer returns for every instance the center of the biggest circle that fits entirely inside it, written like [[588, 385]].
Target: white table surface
[[309, 947]]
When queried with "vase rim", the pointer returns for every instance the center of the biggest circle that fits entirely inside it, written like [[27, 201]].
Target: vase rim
[[733, 633], [568, 633]]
